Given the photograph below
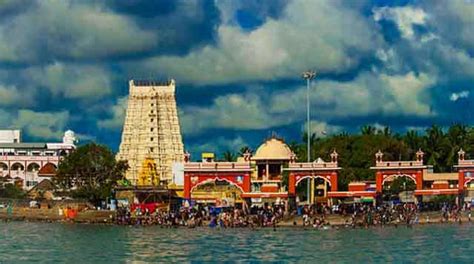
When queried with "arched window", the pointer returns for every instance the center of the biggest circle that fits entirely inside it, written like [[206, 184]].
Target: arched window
[[17, 166], [33, 167], [3, 166]]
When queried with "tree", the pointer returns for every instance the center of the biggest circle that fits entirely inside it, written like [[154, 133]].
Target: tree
[[90, 172], [368, 130], [10, 190], [229, 156], [244, 150]]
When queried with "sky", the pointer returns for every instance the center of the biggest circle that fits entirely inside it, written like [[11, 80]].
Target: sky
[[65, 64]]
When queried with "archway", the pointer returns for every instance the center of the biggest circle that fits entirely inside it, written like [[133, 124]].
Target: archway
[[218, 192], [320, 186], [399, 187], [33, 167], [17, 167], [3, 169]]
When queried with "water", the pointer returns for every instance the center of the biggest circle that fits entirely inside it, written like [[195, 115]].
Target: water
[[55, 242]]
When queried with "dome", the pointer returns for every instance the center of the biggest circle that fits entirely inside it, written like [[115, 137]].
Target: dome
[[273, 149]]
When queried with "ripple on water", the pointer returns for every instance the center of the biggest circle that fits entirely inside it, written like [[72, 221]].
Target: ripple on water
[[54, 242]]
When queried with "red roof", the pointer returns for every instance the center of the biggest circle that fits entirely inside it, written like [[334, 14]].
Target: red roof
[[47, 170]]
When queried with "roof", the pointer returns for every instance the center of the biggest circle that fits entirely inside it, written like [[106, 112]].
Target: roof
[[23, 145], [273, 149], [47, 170], [45, 185]]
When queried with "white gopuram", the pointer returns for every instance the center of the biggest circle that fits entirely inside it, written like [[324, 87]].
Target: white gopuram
[[151, 129]]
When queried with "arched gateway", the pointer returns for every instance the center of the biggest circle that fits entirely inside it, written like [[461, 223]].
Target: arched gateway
[[389, 170], [200, 173], [319, 169]]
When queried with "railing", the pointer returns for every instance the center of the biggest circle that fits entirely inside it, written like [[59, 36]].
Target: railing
[[466, 162], [216, 166], [312, 165], [30, 158], [398, 163]]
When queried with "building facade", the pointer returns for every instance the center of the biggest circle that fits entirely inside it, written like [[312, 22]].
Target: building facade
[[272, 175], [151, 130], [260, 178], [27, 164]]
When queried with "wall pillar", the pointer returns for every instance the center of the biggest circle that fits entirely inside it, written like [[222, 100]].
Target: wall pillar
[[461, 180], [291, 184], [378, 181], [267, 173], [334, 181], [246, 183], [187, 186], [419, 180]]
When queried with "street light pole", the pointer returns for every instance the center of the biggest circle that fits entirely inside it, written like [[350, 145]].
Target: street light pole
[[308, 76]]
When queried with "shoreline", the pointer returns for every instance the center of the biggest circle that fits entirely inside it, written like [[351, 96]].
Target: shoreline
[[108, 218]]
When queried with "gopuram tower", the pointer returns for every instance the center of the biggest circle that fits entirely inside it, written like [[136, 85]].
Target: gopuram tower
[[151, 130]]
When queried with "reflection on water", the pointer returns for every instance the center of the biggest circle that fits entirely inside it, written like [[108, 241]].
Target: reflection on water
[[32, 242]]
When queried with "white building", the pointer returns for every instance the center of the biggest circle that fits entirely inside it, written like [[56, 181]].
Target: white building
[[27, 164]]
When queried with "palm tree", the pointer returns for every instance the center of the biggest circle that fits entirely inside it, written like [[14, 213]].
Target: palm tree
[[368, 130], [437, 148], [244, 150], [229, 156]]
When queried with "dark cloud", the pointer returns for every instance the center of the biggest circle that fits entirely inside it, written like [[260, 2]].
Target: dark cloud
[[237, 65]]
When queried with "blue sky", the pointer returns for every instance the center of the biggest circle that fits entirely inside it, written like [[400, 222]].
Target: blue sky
[[65, 64]]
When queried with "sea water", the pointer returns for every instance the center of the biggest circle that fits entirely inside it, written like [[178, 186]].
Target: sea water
[[79, 243]]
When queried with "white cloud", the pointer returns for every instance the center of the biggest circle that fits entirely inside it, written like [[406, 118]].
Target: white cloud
[[233, 111], [320, 34], [456, 96], [70, 29], [405, 17], [12, 96], [118, 115], [72, 81], [454, 20], [371, 93], [321, 128], [45, 125]]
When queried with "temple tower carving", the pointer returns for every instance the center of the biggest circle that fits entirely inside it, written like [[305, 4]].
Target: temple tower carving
[[151, 130]]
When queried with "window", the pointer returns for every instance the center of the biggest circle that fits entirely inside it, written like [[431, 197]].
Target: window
[[151, 120], [152, 105], [151, 149], [151, 139], [151, 129]]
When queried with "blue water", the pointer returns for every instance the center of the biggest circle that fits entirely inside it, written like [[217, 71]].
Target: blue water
[[56, 242]]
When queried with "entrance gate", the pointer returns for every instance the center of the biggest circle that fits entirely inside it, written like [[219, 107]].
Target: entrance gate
[[299, 171], [388, 170]]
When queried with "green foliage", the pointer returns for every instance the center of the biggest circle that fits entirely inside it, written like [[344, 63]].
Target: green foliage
[[401, 184], [441, 199], [91, 172], [229, 156], [10, 190]]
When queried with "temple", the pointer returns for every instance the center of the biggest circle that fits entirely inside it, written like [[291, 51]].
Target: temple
[[270, 176], [151, 133]]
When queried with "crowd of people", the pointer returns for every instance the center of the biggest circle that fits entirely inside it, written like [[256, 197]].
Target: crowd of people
[[321, 216], [202, 216]]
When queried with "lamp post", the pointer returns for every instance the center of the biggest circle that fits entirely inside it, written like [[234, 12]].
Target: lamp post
[[308, 76]]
